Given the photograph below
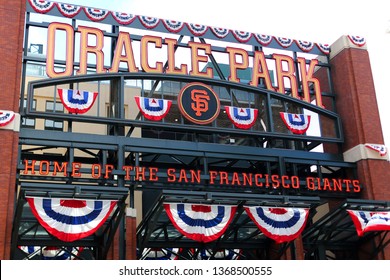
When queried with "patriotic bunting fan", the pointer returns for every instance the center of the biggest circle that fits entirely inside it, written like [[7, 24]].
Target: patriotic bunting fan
[[202, 223], [149, 22], [152, 108], [296, 123], [365, 221], [6, 117], [53, 253], [279, 224], [381, 149], [224, 254], [70, 220], [68, 10], [243, 118], [76, 101], [160, 254], [98, 15], [95, 14]]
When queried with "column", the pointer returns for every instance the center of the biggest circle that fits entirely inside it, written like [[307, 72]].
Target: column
[[357, 106], [12, 14]]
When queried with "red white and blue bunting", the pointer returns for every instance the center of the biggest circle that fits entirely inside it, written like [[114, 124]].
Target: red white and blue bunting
[[225, 254], [149, 22], [70, 219], [97, 15], [152, 108], [243, 118], [305, 45], [279, 224], [220, 32], [264, 40], [242, 36], [197, 29], [52, 253], [365, 221], [173, 25], [123, 18], [284, 42], [160, 254], [202, 223], [76, 101], [357, 40], [68, 10], [296, 123], [325, 48], [6, 117], [42, 6], [381, 149]]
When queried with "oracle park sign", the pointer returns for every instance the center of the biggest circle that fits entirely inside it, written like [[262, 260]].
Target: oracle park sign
[[124, 52], [226, 84], [141, 138]]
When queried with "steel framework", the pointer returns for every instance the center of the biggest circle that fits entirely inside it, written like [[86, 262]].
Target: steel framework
[[269, 152]]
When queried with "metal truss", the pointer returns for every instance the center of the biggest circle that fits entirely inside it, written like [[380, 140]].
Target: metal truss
[[165, 145], [27, 232], [267, 149], [334, 235], [156, 231], [121, 151]]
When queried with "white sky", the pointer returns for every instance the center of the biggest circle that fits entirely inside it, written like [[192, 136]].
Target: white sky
[[308, 20]]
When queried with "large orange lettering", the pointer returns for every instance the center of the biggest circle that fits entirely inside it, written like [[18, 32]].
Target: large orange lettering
[[145, 54], [51, 46], [288, 73], [260, 71], [172, 69], [86, 48], [196, 58], [307, 77], [123, 43], [234, 64]]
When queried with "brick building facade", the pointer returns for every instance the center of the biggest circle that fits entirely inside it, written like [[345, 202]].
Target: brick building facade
[[355, 103]]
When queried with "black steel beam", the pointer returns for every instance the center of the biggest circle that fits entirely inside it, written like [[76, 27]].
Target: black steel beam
[[75, 191], [86, 141]]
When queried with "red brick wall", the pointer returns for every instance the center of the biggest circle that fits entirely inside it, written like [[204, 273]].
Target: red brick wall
[[11, 47], [357, 105], [356, 99], [131, 238], [375, 175]]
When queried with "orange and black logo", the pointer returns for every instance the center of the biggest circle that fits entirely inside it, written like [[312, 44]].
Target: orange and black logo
[[198, 103]]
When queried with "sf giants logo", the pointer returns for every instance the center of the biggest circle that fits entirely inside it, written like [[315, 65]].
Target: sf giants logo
[[201, 101], [198, 103]]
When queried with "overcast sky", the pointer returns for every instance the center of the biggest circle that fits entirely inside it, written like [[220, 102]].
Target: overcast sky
[[308, 20]]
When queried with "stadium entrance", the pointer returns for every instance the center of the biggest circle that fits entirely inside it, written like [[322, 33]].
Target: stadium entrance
[[144, 138]]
